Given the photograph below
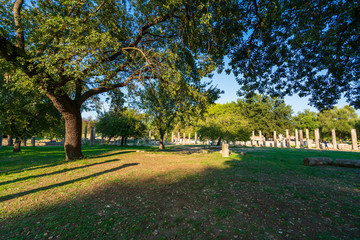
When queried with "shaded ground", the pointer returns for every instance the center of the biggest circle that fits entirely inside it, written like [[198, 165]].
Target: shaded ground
[[179, 193]]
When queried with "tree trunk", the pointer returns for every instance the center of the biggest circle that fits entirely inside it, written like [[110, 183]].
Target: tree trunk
[[73, 124], [17, 145], [122, 141], [71, 112], [161, 140], [219, 142], [125, 141]]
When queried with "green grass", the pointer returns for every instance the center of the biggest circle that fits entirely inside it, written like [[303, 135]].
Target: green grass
[[121, 193]]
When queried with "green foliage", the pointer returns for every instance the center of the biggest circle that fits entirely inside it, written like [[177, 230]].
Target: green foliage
[[307, 119], [267, 114], [126, 124], [75, 51], [305, 47], [179, 96], [26, 112], [225, 122], [340, 119]]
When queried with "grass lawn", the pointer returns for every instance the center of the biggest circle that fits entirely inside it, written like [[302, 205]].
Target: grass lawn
[[141, 193]]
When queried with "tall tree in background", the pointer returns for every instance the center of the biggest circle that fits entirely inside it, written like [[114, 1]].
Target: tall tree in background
[[340, 119], [75, 50], [305, 47], [267, 114], [307, 119]]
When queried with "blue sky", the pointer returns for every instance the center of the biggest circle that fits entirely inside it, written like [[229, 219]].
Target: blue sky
[[230, 86]]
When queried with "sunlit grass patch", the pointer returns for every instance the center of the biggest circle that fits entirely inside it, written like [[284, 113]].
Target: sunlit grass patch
[[139, 192]]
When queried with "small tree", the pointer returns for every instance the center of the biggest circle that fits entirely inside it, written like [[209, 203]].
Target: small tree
[[176, 99], [224, 122], [125, 124]]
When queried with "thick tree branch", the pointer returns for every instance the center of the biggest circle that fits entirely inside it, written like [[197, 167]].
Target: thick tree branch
[[11, 54], [139, 36], [17, 17], [154, 22], [103, 89]]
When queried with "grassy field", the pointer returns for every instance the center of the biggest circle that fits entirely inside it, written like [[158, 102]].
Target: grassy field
[[141, 193]]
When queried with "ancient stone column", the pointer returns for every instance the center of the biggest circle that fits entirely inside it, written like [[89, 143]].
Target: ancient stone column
[[225, 150], [260, 138], [317, 138], [33, 141], [184, 139], [85, 134], [189, 138], [333, 134], [301, 138], [92, 136], [195, 138], [307, 138], [178, 139], [287, 138], [275, 140], [354, 139], [253, 138], [10, 141], [150, 137], [297, 144], [172, 137]]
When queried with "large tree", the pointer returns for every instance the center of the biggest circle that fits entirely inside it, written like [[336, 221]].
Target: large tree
[[75, 50], [306, 47]]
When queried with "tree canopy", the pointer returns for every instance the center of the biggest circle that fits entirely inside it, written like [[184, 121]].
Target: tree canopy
[[267, 114], [121, 124], [26, 112], [225, 122], [74, 51], [340, 119], [306, 47]]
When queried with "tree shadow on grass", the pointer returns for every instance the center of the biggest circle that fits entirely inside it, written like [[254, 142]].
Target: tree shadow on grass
[[56, 172], [37, 157], [15, 195], [110, 154], [234, 202]]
